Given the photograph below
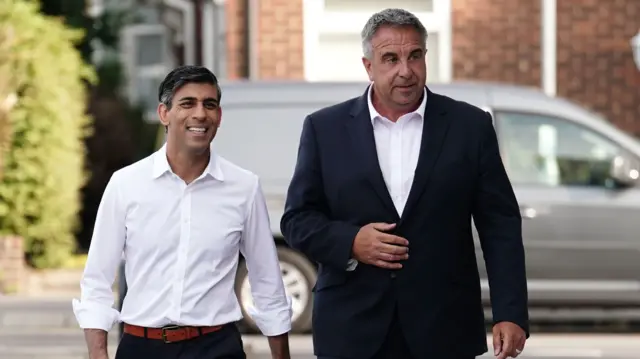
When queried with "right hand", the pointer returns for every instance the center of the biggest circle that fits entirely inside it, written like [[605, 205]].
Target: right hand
[[373, 246]]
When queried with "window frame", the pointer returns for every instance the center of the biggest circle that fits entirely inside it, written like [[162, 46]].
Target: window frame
[[437, 22], [130, 36], [498, 124]]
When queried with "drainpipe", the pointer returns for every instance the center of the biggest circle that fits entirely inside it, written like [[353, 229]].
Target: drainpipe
[[198, 15], [549, 43], [252, 22]]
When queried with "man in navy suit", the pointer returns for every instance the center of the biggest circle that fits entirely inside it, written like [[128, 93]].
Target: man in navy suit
[[382, 198]]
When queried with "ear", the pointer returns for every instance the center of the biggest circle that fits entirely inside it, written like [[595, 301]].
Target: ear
[[162, 114], [367, 66], [219, 116]]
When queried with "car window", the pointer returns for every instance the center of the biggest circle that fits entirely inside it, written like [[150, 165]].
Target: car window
[[552, 151]]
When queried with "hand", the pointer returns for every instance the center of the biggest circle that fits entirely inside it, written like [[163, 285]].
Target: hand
[[508, 340], [373, 246]]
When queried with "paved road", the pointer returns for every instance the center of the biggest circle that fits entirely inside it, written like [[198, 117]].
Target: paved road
[[39, 329], [68, 344]]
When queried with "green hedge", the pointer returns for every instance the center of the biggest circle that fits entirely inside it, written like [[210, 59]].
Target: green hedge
[[44, 166]]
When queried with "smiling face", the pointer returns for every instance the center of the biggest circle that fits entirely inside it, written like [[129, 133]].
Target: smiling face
[[397, 67], [193, 117]]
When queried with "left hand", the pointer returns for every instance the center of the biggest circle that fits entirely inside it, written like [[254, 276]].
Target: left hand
[[508, 340]]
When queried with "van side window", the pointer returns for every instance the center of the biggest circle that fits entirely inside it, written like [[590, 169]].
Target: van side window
[[550, 151]]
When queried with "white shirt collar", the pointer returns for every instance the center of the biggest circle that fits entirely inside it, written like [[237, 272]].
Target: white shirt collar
[[375, 114], [161, 164]]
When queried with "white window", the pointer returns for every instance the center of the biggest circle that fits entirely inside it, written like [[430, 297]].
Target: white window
[[333, 49], [147, 49], [147, 60]]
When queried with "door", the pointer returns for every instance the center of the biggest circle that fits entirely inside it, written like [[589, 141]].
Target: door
[[580, 230]]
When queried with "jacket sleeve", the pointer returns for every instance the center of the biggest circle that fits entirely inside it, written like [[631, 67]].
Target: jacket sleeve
[[497, 218], [305, 224]]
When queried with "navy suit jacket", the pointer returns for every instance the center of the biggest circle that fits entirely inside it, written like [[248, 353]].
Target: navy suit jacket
[[337, 187]]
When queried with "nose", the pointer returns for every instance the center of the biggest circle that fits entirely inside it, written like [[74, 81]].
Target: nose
[[405, 70], [199, 112]]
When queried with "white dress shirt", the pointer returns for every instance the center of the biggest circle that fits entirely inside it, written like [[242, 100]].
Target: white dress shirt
[[398, 148], [181, 244]]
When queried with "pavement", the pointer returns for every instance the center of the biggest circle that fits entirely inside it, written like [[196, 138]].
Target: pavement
[[46, 328], [69, 344]]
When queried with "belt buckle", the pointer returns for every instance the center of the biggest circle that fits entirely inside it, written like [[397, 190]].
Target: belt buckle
[[164, 332]]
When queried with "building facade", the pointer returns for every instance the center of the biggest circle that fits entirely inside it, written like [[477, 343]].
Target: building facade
[[577, 49]]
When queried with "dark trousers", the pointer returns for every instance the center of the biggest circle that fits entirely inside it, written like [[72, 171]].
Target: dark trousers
[[223, 344], [395, 346]]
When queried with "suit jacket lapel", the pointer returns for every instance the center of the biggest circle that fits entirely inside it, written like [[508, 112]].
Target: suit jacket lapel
[[434, 132], [360, 129]]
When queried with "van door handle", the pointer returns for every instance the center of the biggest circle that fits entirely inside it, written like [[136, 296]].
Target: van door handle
[[527, 212]]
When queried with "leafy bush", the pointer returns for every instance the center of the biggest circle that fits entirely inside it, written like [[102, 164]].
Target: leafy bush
[[43, 168]]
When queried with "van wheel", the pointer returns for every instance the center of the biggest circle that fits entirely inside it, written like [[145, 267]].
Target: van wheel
[[299, 277]]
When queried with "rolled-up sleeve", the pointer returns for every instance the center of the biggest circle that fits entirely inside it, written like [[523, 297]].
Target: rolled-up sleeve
[[272, 312], [95, 309]]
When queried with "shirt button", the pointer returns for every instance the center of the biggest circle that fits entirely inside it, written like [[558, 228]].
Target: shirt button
[[393, 275]]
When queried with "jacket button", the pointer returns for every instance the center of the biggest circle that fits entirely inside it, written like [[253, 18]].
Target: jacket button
[[393, 275]]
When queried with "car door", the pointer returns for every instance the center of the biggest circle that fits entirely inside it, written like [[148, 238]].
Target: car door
[[579, 228]]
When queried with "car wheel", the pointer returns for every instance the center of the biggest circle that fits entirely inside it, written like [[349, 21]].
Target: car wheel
[[299, 277]]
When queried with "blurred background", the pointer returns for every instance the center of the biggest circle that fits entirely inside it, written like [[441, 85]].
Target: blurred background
[[78, 95]]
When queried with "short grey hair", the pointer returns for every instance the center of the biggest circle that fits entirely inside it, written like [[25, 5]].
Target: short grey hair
[[389, 17]]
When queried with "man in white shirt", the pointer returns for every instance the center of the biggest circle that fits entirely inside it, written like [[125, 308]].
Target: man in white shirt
[[181, 217]]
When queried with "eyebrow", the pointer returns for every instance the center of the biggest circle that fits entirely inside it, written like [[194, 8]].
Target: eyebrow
[[192, 99]]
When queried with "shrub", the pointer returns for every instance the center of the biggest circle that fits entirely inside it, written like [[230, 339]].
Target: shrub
[[43, 168]]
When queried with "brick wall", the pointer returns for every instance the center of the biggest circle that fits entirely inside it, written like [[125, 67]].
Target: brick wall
[[595, 62], [236, 37], [497, 40], [12, 264], [279, 41]]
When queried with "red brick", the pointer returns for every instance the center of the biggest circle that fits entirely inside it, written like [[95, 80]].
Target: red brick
[[595, 61], [280, 40], [237, 61], [497, 40]]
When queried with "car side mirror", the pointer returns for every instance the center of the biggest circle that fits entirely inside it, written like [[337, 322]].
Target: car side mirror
[[625, 171]]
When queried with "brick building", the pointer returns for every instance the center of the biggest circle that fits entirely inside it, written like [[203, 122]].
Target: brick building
[[578, 49]]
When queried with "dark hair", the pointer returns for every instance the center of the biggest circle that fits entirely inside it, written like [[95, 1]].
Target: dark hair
[[183, 75]]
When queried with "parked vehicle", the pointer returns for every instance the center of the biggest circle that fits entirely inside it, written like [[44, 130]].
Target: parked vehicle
[[575, 176]]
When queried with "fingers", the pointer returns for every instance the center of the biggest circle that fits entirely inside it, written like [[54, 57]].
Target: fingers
[[497, 341], [391, 239], [390, 252], [508, 340], [386, 249], [386, 265], [508, 347], [392, 257], [383, 226], [519, 345]]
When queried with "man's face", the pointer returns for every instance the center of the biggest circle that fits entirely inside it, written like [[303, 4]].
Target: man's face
[[398, 67], [193, 118]]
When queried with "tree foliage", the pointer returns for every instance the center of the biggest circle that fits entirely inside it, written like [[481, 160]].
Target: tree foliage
[[43, 169]]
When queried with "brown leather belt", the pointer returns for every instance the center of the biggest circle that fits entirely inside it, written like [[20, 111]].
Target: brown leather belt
[[169, 334]]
